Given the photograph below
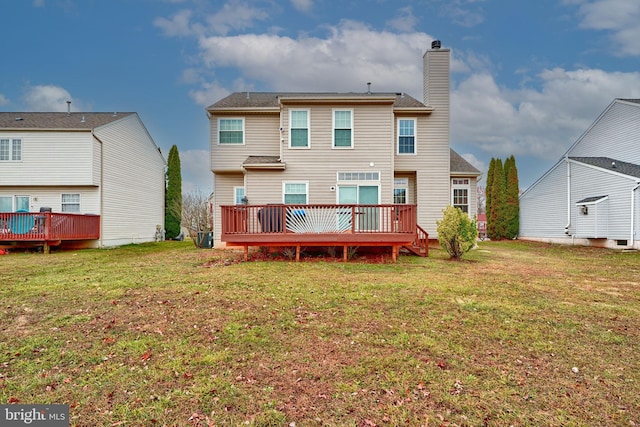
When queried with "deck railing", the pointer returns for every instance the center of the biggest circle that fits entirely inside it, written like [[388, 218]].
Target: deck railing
[[318, 219], [48, 227]]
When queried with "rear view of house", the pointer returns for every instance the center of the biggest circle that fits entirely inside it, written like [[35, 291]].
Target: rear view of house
[[592, 195], [81, 179], [370, 164]]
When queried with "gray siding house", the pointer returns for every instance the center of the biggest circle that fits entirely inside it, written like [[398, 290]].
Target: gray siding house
[[341, 148], [591, 196]]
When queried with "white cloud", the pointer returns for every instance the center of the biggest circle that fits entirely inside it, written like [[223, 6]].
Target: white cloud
[[475, 162], [620, 17], [541, 123], [208, 94], [178, 25], [196, 171], [463, 13], [405, 21], [235, 15], [302, 5], [351, 55], [50, 98], [4, 100]]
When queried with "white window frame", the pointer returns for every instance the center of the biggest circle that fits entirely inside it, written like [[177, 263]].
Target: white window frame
[[415, 139], [306, 193], [221, 119], [333, 128], [401, 184], [12, 155], [236, 190], [308, 128], [461, 184], [65, 204]]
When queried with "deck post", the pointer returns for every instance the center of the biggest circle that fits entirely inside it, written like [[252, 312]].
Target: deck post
[[344, 253], [46, 248], [246, 253], [297, 253], [394, 253]]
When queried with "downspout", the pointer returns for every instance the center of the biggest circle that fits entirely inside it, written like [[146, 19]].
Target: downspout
[[633, 207], [566, 227]]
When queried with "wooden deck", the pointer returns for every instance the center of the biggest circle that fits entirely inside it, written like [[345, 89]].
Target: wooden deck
[[324, 225], [19, 229]]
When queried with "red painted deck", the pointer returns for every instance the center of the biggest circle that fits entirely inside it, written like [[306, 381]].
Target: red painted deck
[[324, 225], [46, 228]]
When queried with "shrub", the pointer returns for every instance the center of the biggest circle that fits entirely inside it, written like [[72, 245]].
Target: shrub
[[457, 233]]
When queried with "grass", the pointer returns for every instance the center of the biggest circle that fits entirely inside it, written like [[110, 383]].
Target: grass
[[165, 334]]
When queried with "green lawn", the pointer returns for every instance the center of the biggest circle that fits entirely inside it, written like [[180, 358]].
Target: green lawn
[[165, 334]]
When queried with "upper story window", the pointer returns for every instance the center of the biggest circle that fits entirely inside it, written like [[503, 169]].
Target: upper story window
[[231, 131], [295, 192], [406, 136], [10, 150], [342, 128], [299, 129], [460, 193], [71, 202]]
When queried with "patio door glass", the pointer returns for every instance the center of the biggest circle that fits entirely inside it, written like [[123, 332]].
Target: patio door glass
[[359, 195], [5, 204]]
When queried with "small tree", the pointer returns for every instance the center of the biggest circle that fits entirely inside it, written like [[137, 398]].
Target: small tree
[[457, 233], [173, 195], [512, 209]]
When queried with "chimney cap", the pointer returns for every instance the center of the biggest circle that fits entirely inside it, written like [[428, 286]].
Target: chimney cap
[[436, 44]]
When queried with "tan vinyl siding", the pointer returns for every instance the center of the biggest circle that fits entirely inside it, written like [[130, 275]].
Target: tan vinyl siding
[[224, 185], [50, 158], [133, 183], [319, 165], [262, 136]]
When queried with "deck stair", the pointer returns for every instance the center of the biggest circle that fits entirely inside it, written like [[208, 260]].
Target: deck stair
[[420, 244]]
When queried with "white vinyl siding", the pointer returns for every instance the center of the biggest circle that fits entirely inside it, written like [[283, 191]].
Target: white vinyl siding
[[343, 128], [299, 129], [406, 136], [231, 131], [52, 158], [133, 183]]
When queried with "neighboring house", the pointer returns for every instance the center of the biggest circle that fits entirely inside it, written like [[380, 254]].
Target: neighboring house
[[86, 164], [591, 196], [341, 149]]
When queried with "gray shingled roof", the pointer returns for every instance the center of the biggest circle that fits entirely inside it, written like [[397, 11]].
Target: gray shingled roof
[[458, 164], [57, 121], [637, 101], [610, 164], [591, 199], [261, 160], [270, 99]]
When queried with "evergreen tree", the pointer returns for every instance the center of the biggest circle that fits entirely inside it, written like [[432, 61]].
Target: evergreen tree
[[498, 203], [512, 201], [173, 195], [487, 194]]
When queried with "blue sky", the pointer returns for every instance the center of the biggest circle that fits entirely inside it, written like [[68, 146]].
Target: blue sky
[[528, 77]]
